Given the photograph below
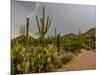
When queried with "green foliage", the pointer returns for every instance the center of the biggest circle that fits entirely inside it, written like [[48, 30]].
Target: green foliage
[[21, 59], [93, 38], [22, 40], [57, 62], [90, 43], [29, 56], [66, 57], [73, 45], [50, 40], [43, 58], [34, 59], [58, 42]]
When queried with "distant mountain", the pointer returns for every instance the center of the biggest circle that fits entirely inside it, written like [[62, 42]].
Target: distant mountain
[[70, 35], [90, 32]]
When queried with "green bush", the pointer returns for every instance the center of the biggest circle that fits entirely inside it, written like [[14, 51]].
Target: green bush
[[21, 59], [66, 57], [57, 62], [34, 59], [72, 45], [43, 58]]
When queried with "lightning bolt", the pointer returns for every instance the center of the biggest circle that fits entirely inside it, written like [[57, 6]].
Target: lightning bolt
[[34, 11]]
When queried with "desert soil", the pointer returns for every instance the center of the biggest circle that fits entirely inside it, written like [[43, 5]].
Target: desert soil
[[86, 60]]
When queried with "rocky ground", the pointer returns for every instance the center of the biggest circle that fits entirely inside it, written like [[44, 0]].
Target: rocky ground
[[86, 60]]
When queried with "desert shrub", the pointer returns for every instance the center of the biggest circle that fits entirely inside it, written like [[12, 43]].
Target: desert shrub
[[66, 57], [22, 40], [26, 59], [90, 42], [44, 58], [72, 45], [21, 59], [57, 62]]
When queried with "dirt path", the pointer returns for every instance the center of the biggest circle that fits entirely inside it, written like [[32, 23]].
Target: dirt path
[[84, 61]]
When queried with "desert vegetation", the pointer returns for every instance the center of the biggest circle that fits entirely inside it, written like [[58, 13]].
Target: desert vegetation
[[45, 54]]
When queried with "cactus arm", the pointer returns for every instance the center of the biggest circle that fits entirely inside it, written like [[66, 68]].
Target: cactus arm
[[49, 23], [37, 23], [43, 19]]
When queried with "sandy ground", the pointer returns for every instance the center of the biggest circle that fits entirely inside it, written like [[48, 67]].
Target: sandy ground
[[86, 60]]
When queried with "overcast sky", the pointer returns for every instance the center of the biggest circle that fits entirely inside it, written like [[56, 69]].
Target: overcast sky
[[67, 18]]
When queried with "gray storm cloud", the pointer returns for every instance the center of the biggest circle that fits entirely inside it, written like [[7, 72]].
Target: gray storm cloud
[[67, 18]]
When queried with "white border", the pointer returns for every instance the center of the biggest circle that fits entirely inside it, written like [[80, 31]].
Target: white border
[[4, 37], [92, 2]]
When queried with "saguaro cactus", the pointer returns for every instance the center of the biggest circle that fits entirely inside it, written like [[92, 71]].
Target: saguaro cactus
[[79, 35], [55, 32], [27, 26], [43, 25], [27, 31], [22, 30], [58, 42], [79, 32]]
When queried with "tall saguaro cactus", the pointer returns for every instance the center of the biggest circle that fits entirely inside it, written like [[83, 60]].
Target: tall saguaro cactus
[[25, 29], [22, 31], [43, 25], [55, 32], [58, 42], [79, 32], [27, 26], [79, 35]]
